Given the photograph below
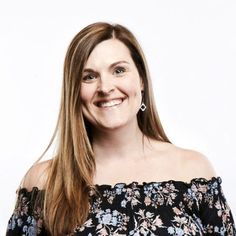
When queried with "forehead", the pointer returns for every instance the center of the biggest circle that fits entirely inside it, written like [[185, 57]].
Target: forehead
[[108, 52]]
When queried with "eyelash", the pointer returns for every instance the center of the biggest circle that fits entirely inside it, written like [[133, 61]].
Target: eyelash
[[87, 76], [122, 69]]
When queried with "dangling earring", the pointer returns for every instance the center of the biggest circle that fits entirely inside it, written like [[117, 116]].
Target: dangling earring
[[143, 106]]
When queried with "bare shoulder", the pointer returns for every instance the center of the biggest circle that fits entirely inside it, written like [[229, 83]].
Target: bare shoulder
[[37, 175], [183, 164], [195, 164]]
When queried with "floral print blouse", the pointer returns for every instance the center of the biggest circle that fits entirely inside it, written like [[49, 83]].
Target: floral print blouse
[[169, 208]]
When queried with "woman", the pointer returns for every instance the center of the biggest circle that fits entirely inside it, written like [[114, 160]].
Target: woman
[[115, 171]]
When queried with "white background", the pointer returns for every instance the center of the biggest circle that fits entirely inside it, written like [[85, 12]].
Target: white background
[[191, 50]]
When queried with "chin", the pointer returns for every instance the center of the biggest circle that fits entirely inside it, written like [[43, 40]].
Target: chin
[[112, 125]]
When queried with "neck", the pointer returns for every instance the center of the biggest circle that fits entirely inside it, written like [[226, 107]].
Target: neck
[[123, 143]]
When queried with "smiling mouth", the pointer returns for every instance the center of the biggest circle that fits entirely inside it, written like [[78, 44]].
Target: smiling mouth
[[112, 103]]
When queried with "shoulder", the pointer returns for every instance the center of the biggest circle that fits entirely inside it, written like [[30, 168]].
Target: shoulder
[[195, 164], [184, 164], [36, 176]]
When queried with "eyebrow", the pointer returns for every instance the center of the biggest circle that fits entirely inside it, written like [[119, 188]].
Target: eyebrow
[[112, 65]]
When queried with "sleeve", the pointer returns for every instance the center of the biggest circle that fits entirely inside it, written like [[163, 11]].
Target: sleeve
[[27, 218], [215, 213]]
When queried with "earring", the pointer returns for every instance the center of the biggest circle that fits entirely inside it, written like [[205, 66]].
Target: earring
[[143, 106]]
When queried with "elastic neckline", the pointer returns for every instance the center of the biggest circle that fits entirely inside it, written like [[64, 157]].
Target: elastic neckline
[[171, 181], [197, 180]]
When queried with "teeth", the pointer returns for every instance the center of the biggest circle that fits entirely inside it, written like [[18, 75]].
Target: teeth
[[110, 103]]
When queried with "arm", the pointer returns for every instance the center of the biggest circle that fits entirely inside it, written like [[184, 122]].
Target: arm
[[27, 218], [214, 211]]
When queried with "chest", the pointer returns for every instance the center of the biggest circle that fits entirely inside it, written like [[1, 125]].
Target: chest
[[145, 170]]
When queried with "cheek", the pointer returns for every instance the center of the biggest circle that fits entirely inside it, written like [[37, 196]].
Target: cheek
[[133, 90], [86, 93]]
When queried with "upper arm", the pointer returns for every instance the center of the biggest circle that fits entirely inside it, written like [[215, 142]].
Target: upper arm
[[36, 176], [27, 218]]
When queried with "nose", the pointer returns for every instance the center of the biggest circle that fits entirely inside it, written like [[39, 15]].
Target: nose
[[105, 85]]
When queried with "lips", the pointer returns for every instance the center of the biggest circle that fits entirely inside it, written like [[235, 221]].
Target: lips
[[103, 103]]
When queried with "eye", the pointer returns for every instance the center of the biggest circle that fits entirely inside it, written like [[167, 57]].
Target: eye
[[119, 70], [89, 77]]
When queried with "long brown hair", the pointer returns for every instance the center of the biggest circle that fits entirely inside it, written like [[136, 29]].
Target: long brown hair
[[72, 169]]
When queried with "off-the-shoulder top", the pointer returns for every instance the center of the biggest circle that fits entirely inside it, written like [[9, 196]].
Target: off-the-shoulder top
[[171, 207]]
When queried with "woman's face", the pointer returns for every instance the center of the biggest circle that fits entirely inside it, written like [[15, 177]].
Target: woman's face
[[111, 86]]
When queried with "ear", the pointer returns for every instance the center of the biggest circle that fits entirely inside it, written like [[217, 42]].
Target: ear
[[141, 84]]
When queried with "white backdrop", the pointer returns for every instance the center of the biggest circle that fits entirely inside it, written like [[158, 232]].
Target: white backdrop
[[191, 51]]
